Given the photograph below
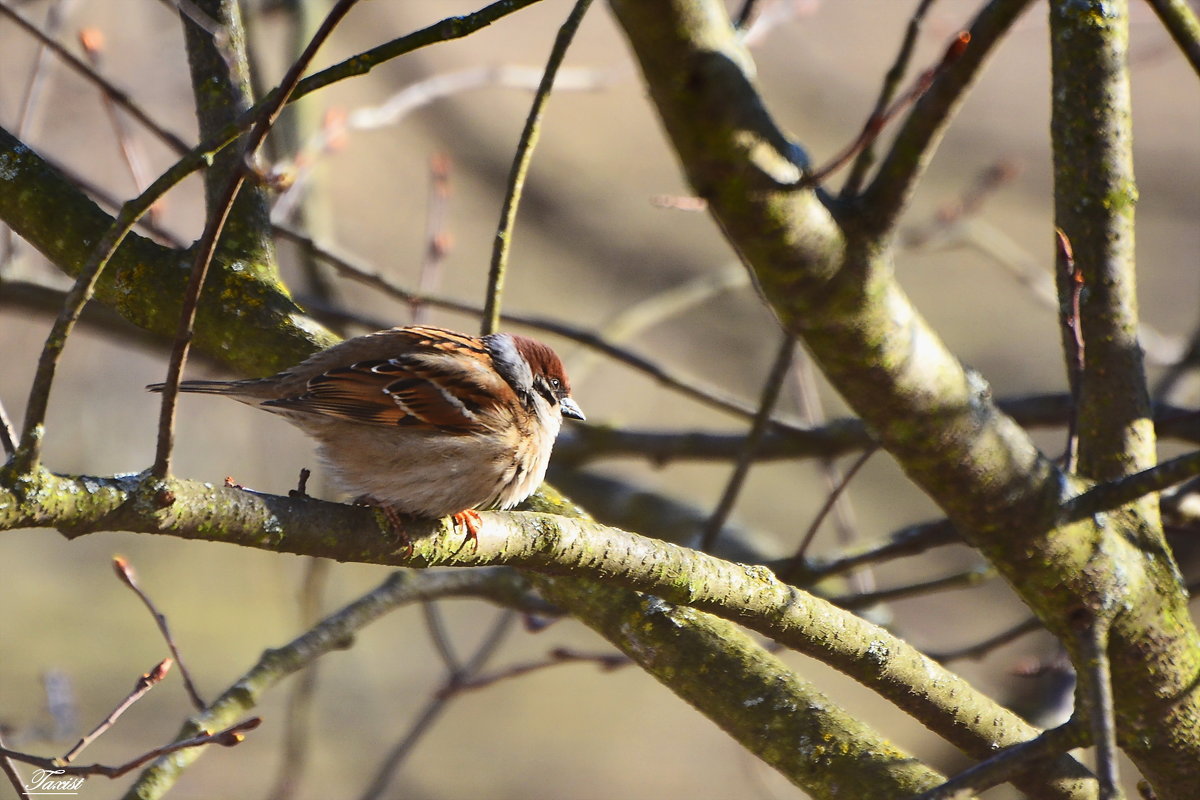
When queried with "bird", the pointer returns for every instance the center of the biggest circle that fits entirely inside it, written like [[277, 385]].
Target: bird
[[423, 421]]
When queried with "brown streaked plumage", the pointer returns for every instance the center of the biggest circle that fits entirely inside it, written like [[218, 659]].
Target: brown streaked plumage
[[422, 420]]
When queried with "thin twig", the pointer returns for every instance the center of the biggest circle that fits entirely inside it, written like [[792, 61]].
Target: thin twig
[[144, 684], [1095, 674], [126, 574], [812, 413], [766, 406], [398, 106], [948, 223], [1071, 277], [444, 30], [435, 626], [297, 734], [436, 706], [908, 156], [117, 96], [827, 506], [654, 309], [28, 456], [561, 655], [55, 15], [437, 238], [10, 771], [878, 121], [1114, 494], [909, 541], [1179, 18], [745, 14], [959, 580], [92, 42], [335, 632], [1008, 763], [8, 437], [891, 83], [520, 168], [980, 649], [207, 244], [226, 738]]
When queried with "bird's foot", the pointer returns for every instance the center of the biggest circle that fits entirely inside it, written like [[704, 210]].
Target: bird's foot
[[301, 489], [470, 522]]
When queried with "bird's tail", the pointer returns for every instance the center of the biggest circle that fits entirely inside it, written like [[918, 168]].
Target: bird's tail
[[202, 387]]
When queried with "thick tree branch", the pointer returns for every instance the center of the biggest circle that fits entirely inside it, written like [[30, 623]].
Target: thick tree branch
[[831, 282], [251, 322], [543, 543], [822, 749]]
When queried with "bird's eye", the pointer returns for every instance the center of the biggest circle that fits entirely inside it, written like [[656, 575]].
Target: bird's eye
[[555, 382]]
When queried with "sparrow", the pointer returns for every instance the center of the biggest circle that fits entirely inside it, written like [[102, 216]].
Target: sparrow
[[423, 421]]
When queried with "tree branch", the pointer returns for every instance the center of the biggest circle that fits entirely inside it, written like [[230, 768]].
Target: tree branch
[[542, 543]]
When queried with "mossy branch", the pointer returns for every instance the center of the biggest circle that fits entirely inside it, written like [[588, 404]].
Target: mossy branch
[[542, 543], [826, 271]]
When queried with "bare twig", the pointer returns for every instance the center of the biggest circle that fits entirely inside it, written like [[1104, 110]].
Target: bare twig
[[10, 772], [1072, 276], [297, 735], [437, 238], [766, 406], [948, 223], [561, 655], [520, 167], [143, 685], [798, 560], [435, 626], [28, 457], [905, 161], [8, 437], [335, 632], [92, 41], [417, 95], [632, 320], [1095, 675], [226, 738], [980, 649], [891, 83], [207, 244], [56, 13], [117, 96], [879, 120], [959, 580], [909, 541], [1009, 763], [1180, 20], [126, 574], [1119, 492], [436, 706], [812, 412]]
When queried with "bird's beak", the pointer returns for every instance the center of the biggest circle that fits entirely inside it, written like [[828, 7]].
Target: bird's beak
[[571, 409]]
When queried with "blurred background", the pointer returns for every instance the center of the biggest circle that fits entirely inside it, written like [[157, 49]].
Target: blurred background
[[604, 228]]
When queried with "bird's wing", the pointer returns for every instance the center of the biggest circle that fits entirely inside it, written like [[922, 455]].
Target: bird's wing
[[436, 380]]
